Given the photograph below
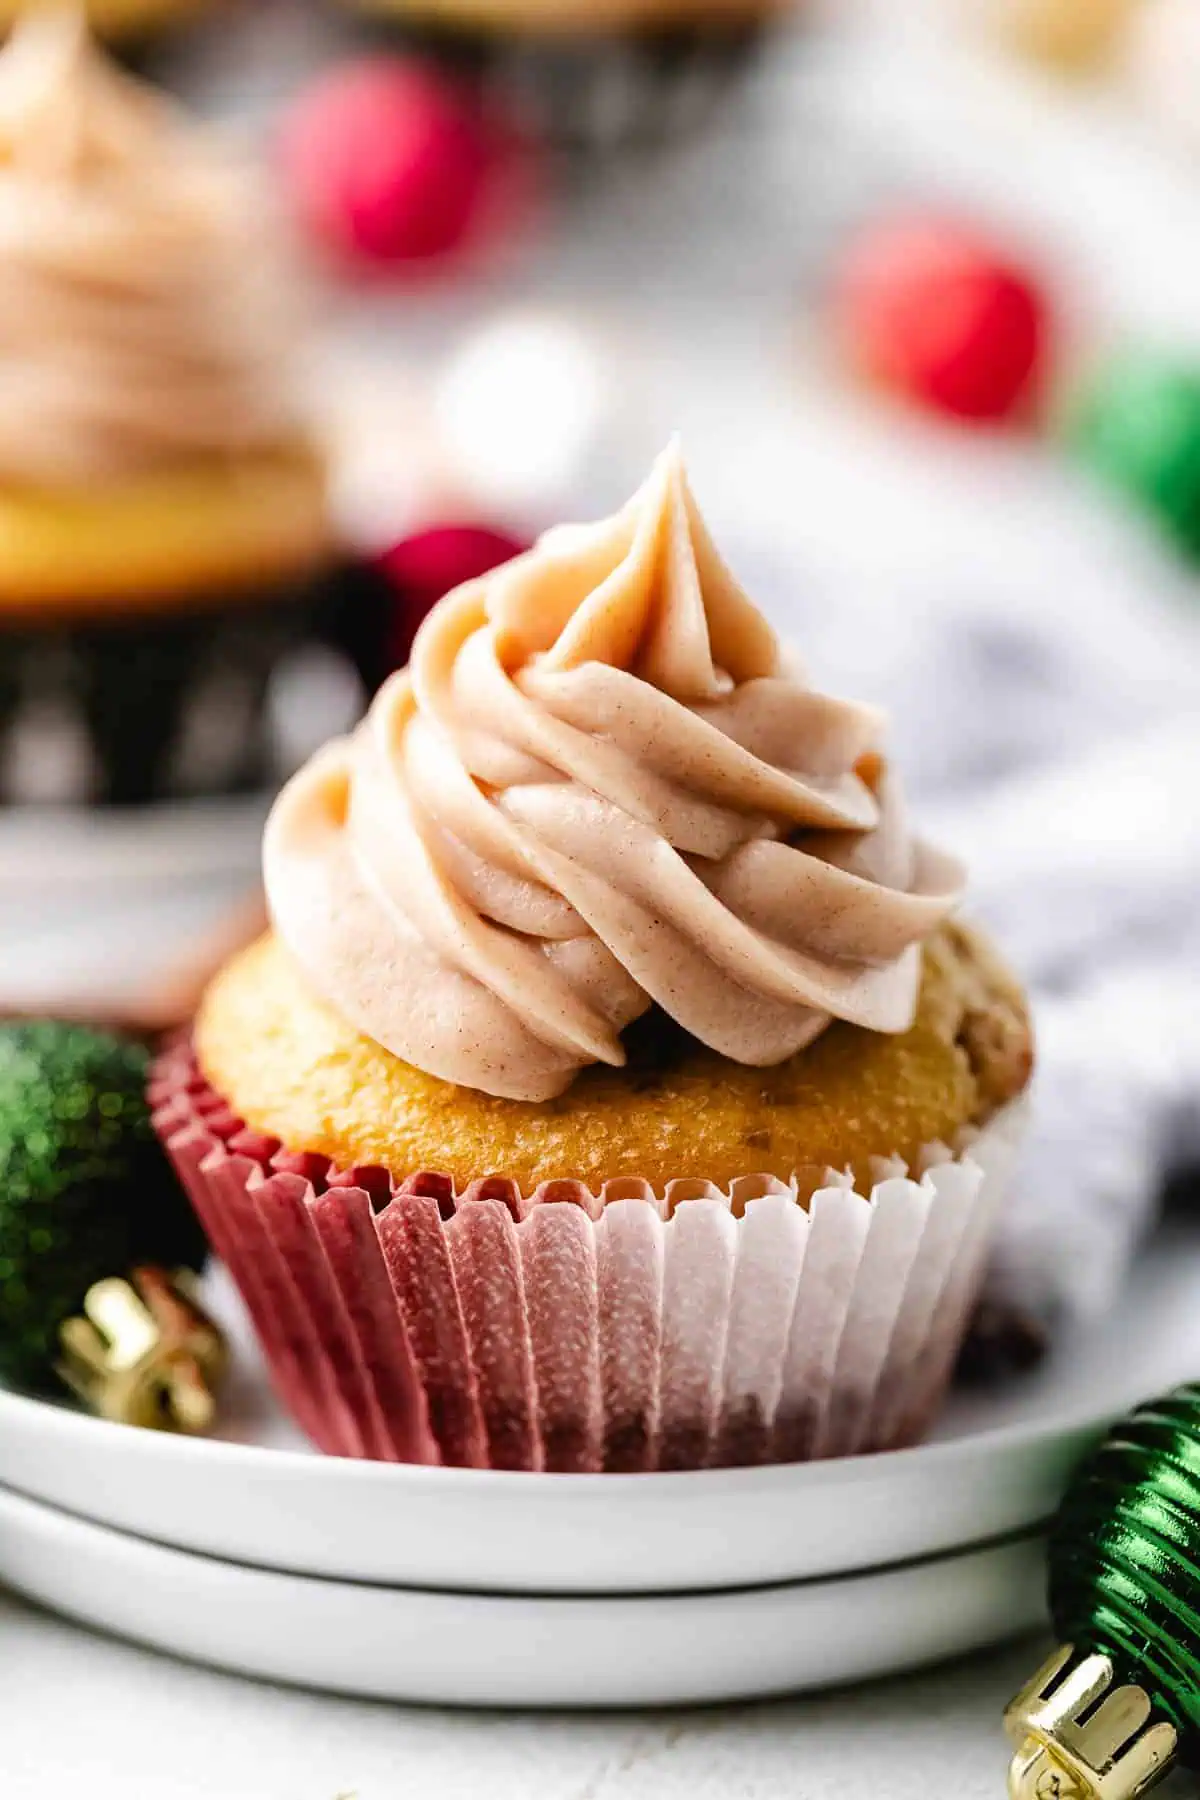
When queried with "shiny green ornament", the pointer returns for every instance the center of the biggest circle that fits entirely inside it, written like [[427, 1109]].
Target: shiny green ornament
[[1113, 1709], [85, 1191], [1139, 430]]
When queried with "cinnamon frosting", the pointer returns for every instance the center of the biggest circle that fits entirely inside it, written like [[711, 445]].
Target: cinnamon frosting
[[145, 315], [600, 785]]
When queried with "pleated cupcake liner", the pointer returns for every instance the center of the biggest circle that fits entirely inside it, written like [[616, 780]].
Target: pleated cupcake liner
[[592, 93], [161, 704], [577, 1332]]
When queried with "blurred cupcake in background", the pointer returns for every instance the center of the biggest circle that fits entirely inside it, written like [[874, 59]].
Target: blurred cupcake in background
[[591, 73], [165, 534]]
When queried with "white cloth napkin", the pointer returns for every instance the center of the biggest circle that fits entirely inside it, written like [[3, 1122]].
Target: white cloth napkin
[[1056, 745]]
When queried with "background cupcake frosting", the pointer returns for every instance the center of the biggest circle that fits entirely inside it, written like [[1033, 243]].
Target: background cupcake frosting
[[146, 312]]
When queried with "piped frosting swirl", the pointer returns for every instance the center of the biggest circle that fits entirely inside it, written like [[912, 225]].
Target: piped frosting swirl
[[145, 313], [600, 786]]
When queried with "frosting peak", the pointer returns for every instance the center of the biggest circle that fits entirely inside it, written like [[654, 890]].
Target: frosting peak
[[646, 592], [143, 316], [600, 786]]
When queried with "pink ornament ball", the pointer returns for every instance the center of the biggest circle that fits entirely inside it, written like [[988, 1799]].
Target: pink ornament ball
[[390, 163], [935, 312], [422, 568]]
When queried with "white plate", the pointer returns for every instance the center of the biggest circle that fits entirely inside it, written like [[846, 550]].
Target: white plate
[[95, 904], [996, 1470], [127, 847], [489, 1650]]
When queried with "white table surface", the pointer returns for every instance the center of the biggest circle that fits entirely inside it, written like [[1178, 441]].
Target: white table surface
[[80, 1715]]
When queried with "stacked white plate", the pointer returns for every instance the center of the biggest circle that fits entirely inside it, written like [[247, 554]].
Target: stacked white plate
[[252, 1553], [95, 903]]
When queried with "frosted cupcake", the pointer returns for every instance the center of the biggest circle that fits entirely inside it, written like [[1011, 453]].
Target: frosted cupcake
[[592, 72], [613, 1090], [163, 520]]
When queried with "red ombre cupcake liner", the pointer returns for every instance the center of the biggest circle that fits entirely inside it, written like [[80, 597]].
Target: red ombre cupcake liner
[[576, 1332]]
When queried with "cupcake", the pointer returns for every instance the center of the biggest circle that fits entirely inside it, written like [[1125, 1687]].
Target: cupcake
[[164, 528], [614, 1089], [590, 73]]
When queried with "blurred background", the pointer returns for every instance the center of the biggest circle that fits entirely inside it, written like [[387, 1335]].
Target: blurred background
[[919, 286]]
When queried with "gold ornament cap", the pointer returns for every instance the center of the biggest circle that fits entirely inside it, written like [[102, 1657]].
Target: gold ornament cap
[[145, 1352], [1078, 1736]]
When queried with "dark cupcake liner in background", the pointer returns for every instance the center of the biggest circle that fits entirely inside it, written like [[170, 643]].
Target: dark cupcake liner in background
[[585, 93], [169, 704]]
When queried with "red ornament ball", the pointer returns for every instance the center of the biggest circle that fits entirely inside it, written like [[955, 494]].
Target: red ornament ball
[[934, 311], [389, 162], [422, 568]]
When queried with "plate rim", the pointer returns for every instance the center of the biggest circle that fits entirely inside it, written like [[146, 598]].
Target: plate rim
[[994, 1440], [126, 849], [489, 1650], [948, 1553]]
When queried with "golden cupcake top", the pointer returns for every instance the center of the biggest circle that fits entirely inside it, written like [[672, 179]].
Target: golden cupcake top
[[601, 786], [146, 315], [294, 1070]]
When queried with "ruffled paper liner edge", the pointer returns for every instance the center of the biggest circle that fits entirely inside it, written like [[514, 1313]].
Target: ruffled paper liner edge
[[595, 92], [569, 1331]]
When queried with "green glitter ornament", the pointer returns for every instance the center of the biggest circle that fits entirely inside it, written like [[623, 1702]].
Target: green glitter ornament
[[1112, 1710], [1139, 430], [85, 1191]]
